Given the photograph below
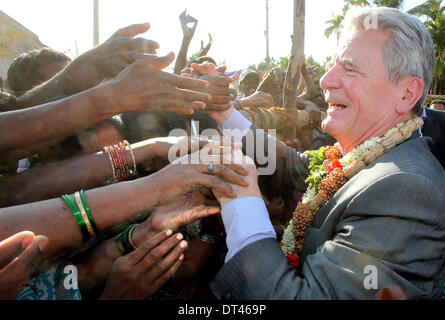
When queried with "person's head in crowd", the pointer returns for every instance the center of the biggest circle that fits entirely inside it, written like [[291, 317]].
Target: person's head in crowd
[[248, 82], [105, 133], [438, 105], [203, 59], [279, 76], [108, 132], [33, 68], [380, 77]]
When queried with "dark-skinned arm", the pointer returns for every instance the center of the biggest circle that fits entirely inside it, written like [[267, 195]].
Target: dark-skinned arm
[[188, 33]]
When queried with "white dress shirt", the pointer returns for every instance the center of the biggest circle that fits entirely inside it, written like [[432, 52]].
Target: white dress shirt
[[246, 220]]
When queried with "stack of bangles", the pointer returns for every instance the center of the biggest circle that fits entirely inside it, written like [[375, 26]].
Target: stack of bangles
[[118, 160], [82, 214], [123, 242]]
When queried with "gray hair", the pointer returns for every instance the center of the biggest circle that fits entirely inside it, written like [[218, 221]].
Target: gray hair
[[410, 52]]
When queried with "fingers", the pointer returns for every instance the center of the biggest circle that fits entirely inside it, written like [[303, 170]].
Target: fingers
[[215, 183], [227, 173], [205, 69], [137, 255], [24, 265], [220, 100], [217, 81], [202, 211], [12, 246], [190, 95], [167, 275], [141, 44], [222, 68], [155, 258], [187, 83], [163, 102], [131, 31], [162, 62], [179, 110], [220, 90]]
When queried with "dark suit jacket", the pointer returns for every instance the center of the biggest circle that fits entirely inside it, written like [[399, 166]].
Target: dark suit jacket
[[391, 216], [434, 127]]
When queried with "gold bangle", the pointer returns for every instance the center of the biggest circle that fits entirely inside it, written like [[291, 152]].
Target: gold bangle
[[127, 146], [112, 164], [84, 214], [130, 233]]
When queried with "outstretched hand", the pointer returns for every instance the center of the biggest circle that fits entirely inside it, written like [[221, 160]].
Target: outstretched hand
[[249, 190], [142, 87], [190, 172], [139, 274], [182, 211], [109, 58], [220, 105]]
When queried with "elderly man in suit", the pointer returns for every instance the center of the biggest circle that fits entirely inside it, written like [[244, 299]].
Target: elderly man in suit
[[386, 226]]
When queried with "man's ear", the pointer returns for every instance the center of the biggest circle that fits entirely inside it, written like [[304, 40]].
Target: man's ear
[[411, 90]]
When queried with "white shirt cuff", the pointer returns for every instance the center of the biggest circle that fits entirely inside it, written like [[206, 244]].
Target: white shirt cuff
[[236, 126], [246, 220]]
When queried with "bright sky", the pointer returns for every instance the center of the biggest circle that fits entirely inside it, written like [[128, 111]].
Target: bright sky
[[237, 26]]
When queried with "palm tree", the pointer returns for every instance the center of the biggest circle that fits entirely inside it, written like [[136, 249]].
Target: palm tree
[[430, 9], [335, 24], [389, 3], [434, 13]]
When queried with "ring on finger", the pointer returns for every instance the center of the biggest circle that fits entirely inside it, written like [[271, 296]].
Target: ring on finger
[[210, 168]]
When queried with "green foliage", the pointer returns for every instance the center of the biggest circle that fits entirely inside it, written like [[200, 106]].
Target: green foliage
[[433, 11], [310, 61], [318, 171], [284, 63], [281, 62], [389, 3], [335, 24]]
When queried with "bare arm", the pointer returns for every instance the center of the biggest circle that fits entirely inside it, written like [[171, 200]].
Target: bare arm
[[62, 118], [140, 87], [181, 60], [113, 204], [84, 172], [105, 255]]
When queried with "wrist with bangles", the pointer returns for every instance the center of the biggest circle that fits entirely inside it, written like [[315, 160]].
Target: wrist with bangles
[[124, 241], [194, 231], [122, 169], [81, 212]]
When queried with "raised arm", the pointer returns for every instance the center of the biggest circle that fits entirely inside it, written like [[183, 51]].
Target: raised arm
[[188, 33]]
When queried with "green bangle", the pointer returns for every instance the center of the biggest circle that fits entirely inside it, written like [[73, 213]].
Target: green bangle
[[117, 245], [122, 241], [77, 216], [87, 209]]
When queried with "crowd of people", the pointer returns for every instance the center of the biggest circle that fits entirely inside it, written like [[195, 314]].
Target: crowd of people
[[100, 201]]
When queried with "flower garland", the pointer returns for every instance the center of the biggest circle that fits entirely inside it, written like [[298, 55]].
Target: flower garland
[[329, 171]]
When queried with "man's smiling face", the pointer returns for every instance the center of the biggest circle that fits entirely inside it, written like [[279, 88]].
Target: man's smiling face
[[360, 95]]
